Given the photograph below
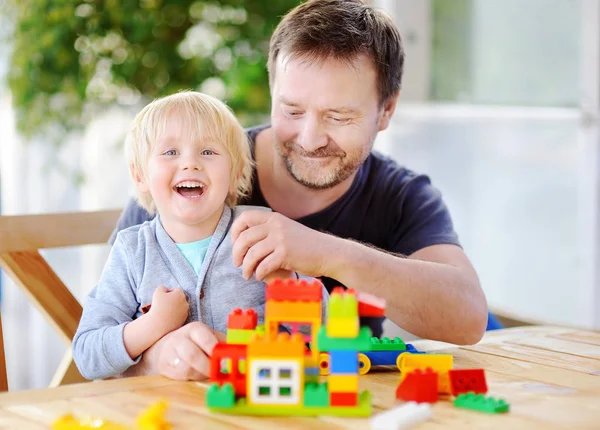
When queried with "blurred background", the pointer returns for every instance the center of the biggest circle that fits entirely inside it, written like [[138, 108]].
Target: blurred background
[[499, 106]]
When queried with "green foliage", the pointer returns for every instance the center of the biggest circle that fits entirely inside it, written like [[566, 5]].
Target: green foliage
[[74, 57]]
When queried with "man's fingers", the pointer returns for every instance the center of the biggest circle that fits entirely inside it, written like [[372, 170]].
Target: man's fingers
[[246, 220], [246, 240], [254, 256], [203, 337], [269, 265], [191, 355]]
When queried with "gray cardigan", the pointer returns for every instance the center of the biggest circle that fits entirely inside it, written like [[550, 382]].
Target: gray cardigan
[[142, 258]]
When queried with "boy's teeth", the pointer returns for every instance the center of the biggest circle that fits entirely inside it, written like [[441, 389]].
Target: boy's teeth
[[190, 185]]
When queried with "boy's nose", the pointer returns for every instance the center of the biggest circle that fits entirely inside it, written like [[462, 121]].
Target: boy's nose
[[190, 163]]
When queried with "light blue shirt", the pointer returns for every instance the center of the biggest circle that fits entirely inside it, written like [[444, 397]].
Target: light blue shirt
[[194, 252]]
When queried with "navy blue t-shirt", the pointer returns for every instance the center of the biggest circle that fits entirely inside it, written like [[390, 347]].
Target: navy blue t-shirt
[[387, 206]]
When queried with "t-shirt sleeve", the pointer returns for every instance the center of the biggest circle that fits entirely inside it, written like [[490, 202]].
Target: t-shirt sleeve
[[423, 218], [133, 214]]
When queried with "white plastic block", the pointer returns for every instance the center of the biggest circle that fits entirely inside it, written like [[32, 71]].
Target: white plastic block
[[402, 417]]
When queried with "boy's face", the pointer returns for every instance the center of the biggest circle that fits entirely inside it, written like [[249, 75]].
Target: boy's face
[[188, 179], [325, 116]]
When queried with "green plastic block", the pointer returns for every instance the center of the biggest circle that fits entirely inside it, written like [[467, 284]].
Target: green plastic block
[[363, 409], [360, 343], [342, 306], [220, 397], [481, 403], [260, 329], [387, 344], [316, 395], [239, 336]]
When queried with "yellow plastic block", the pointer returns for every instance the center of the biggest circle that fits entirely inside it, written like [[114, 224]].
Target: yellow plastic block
[[239, 336], [342, 327], [440, 363], [342, 383], [343, 305]]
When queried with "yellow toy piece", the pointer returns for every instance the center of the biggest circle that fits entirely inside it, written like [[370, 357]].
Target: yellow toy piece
[[340, 383], [342, 327], [364, 364], [151, 419]]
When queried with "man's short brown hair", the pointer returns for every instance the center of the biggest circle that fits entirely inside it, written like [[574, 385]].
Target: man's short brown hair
[[341, 30]]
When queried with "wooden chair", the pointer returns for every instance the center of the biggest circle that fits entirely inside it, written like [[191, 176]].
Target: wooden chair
[[22, 238]]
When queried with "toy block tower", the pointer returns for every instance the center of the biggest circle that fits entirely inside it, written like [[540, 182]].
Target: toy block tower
[[241, 325], [343, 338]]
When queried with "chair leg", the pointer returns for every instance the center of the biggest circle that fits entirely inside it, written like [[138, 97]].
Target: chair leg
[[67, 372], [3, 377]]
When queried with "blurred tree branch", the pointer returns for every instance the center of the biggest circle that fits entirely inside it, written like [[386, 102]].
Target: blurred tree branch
[[71, 58]]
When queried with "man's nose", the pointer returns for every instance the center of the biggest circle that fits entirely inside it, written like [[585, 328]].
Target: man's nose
[[312, 135]]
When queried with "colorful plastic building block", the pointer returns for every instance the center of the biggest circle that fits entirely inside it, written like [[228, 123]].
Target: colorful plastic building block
[[281, 374], [220, 396], [387, 344], [370, 305], [153, 418], [316, 395], [403, 417], [481, 403], [440, 363], [242, 319], [419, 386], [294, 290], [361, 342], [467, 380]]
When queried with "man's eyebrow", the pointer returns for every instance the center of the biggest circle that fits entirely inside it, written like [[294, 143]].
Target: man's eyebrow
[[341, 109]]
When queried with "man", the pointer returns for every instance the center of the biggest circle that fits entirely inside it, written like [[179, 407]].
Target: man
[[341, 212]]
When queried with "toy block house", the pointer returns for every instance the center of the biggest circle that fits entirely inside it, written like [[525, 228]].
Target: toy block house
[[275, 373]]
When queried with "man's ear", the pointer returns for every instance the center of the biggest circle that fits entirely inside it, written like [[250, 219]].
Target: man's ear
[[139, 181], [388, 110]]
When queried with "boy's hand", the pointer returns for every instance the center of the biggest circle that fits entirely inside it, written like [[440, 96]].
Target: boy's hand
[[185, 353], [169, 308]]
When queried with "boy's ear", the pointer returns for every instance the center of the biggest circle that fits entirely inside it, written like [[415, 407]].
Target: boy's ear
[[139, 181]]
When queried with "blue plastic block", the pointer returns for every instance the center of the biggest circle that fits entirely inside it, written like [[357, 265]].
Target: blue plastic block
[[410, 348], [383, 358], [343, 362]]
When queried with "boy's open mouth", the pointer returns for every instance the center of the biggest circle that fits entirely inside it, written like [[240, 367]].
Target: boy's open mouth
[[190, 189]]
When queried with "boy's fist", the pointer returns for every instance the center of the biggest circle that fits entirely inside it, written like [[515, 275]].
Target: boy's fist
[[169, 308]]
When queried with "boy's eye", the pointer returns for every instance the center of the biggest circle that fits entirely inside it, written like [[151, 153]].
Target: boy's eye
[[207, 152], [170, 152]]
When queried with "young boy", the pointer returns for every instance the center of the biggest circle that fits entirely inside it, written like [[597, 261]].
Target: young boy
[[190, 161]]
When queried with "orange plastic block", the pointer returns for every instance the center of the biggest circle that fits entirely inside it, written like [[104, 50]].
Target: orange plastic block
[[277, 345], [242, 319], [343, 399], [292, 311], [294, 290]]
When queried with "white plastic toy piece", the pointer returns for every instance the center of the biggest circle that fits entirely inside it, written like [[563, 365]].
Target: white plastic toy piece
[[403, 417]]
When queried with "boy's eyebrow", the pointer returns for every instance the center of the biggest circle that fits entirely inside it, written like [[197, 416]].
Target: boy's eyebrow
[[340, 109]]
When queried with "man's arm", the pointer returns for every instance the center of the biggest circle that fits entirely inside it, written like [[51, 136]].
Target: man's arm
[[434, 293]]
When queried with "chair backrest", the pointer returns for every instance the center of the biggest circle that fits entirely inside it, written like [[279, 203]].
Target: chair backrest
[[22, 236]]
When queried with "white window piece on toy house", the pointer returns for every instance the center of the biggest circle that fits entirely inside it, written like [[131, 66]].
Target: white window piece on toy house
[[275, 382]]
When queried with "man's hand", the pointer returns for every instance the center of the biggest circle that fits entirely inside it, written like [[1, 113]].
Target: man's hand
[[184, 353], [169, 308], [264, 242]]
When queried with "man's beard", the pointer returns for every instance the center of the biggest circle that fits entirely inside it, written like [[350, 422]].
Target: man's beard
[[346, 165]]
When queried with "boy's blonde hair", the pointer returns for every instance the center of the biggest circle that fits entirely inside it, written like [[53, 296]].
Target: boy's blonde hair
[[206, 117]]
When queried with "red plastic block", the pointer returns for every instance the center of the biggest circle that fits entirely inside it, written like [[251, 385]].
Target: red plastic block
[[235, 353], [294, 290], [370, 305], [419, 386], [246, 319], [343, 399], [466, 380]]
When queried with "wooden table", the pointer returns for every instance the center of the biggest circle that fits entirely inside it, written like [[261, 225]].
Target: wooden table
[[550, 376]]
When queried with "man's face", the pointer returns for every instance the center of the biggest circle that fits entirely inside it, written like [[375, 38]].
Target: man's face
[[325, 116]]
